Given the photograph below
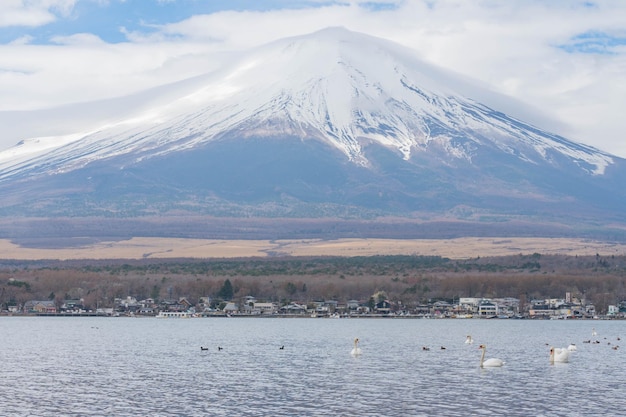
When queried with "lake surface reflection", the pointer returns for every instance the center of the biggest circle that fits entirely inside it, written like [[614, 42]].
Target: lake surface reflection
[[155, 367]]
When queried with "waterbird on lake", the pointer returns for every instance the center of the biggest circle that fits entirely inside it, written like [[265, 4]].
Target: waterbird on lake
[[282, 347], [615, 347], [356, 350], [425, 348], [559, 355], [443, 348], [491, 362], [203, 348], [593, 332], [219, 348], [469, 340], [572, 347]]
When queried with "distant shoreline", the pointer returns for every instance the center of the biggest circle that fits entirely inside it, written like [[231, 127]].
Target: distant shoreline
[[302, 316]]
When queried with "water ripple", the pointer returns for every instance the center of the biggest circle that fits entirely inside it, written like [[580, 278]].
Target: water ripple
[[140, 367]]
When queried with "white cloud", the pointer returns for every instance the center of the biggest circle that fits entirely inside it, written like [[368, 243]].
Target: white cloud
[[83, 68], [524, 48], [22, 40], [32, 12]]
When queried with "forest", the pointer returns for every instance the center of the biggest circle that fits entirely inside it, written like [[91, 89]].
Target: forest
[[408, 279]]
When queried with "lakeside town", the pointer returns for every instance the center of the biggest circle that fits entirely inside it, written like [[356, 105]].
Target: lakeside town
[[568, 307], [514, 287]]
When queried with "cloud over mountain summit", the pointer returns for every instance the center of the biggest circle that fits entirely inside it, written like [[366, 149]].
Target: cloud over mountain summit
[[333, 123]]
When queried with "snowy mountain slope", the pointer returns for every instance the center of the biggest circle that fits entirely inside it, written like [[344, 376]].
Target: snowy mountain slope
[[334, 84], [329, 123]]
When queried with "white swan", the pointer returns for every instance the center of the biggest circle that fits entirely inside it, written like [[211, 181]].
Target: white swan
[[593, 332], [559, 355], [469, 340], [489, 363], [572, 348], [356, 350]]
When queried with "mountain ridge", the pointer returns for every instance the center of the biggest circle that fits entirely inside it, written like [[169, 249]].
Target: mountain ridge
[[331, 124], [404, 118]]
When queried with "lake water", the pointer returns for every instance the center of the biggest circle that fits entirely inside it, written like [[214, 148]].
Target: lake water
[[154, 367]]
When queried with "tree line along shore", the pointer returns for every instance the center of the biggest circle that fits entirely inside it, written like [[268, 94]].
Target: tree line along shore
[[408, 281]]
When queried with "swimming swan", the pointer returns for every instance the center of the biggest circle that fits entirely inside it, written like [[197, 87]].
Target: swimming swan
[[572, 347], [469, 340], [356, 350], [559, 355], [489, 363]]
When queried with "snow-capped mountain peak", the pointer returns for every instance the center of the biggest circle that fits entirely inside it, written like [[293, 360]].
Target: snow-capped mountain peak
[[333, 124], [338, 86]]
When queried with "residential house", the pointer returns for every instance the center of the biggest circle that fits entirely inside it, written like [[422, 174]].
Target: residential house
[[383, 307], [538, 309], [442, 308], [469, 304], [39, 307], [73, 306], [231, 308], [293, 308], [325, 307], [487, 308], [264, 308], [127, 305], [352, 305], [180, 305]]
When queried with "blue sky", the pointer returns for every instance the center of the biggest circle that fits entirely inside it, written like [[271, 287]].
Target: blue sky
[[595, 43], [566, 58], [106, 18], [110, 20]]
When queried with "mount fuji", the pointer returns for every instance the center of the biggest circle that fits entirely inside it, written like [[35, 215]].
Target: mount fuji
[[334, 124]]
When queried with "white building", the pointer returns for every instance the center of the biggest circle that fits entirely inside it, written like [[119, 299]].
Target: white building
[[486, 308], [264, 308]]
